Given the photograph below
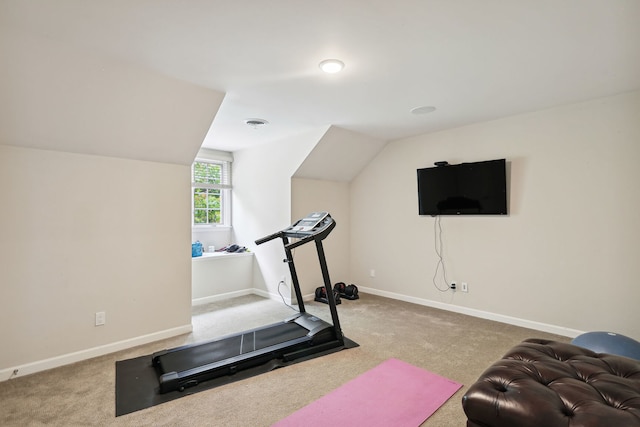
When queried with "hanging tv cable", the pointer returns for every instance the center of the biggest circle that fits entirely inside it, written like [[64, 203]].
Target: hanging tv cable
[[439, 248]]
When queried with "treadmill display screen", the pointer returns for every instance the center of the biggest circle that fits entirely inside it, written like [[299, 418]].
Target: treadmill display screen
[[310, 222]]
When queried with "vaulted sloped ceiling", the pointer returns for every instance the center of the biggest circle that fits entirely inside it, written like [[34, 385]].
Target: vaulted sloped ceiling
[[339, 155], [473, 61], [146, 78], [60, 97]]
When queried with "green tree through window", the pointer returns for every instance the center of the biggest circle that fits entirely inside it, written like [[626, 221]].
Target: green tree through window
[[210, 179]]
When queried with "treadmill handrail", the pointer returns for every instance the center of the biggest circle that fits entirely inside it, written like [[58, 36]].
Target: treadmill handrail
[[269, 237], [321, 231], [300, 242]]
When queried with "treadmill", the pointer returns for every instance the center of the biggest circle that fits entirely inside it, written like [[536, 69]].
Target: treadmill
[[298, 336]]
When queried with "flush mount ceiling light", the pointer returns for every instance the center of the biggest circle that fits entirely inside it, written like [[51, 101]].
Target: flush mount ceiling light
[[331, 66], [255, 123], [425, 109]]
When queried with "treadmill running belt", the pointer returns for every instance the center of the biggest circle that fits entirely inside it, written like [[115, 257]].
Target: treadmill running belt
[[270, 336], [200, 355], [215, 351]]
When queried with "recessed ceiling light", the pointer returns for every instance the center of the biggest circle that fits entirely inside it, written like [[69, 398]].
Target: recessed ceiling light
[[256, 123], [423, 110], [331, 66]]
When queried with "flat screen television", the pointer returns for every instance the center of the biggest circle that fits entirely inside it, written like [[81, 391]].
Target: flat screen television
[[478, 188]]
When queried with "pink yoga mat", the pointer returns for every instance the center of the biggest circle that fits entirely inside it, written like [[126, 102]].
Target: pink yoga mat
[[393, 393]]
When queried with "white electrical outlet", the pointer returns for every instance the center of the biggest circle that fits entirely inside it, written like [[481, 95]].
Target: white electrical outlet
[[464, 287], [283, 281], [372, 273], [101, 318]]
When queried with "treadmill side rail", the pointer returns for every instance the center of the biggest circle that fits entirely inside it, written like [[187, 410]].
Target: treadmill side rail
[[288, 351], [169, 382], [314, 324]]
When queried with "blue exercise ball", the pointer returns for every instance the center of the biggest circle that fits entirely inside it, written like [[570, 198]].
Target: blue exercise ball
[[609, 342]]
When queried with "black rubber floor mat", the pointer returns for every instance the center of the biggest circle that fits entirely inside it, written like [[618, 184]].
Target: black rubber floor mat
[[137, 385]]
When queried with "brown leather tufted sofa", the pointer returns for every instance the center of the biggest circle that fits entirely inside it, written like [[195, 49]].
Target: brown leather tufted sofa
[[541, 383]]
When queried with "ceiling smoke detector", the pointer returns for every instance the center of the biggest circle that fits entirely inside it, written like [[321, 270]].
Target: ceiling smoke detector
[[255, 123]]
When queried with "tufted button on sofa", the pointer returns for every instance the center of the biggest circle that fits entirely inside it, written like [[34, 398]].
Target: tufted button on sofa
[[541, 383]]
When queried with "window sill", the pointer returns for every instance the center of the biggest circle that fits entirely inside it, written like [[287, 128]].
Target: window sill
[[211, 227], [220, 255]]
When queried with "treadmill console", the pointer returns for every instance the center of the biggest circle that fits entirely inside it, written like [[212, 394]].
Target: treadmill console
[[316, 224], [310, 222]]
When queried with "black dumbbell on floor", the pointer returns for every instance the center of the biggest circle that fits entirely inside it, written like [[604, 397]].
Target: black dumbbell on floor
[[348, 292], [321, 296]]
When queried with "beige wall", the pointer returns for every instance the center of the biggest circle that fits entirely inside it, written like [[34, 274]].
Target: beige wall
[[565, 257], [311, 195], [262, 202], [82, 234]]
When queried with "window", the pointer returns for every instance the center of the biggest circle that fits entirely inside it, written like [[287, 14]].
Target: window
[[211, 196]]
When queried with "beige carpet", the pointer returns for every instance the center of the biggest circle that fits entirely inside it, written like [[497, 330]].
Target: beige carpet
[[449, 344]]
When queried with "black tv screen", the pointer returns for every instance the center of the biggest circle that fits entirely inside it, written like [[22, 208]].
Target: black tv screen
[[478, 188]]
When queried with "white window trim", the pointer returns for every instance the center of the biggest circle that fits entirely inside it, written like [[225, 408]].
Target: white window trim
[[215, 156]]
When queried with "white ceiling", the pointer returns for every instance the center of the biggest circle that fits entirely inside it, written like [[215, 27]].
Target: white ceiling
[[473, 60]]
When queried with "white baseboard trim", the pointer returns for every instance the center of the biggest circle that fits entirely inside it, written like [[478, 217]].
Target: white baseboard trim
[[253, 291], [220, 297], [263, 294], [275, 297], [66, 359], [228, 295], [530, 324]]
